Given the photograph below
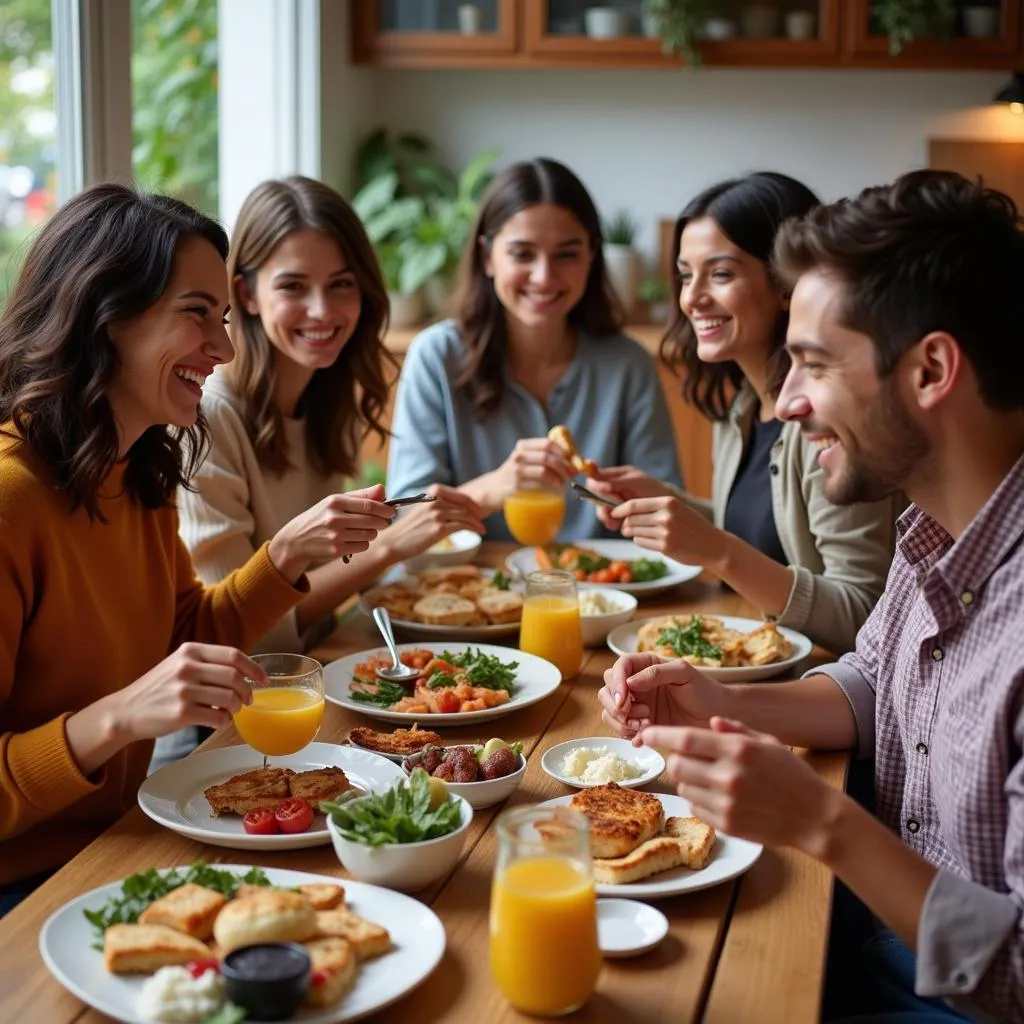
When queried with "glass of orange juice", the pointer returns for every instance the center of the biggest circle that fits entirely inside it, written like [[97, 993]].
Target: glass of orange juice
[[534, 517], [543, 924], [286, 711], [551, 620]]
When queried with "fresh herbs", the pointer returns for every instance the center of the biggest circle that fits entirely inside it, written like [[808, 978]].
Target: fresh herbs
[[647, 569], [384, 695], [138, 891], [501, 580], [591, 563], [478, 669], [229, 1013], [401, 815], [689, 640]]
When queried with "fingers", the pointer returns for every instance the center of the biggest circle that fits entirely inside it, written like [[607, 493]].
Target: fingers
[[208, 656], [356, 505], [731, 725], [449, 497], [374, 493], [605, 517]]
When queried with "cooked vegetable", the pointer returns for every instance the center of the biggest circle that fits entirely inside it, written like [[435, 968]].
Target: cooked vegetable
[[647, 569], [689, 640], [384, 695], [477, 669]]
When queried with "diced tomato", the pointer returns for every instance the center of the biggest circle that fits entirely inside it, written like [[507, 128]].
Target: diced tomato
[[197, 968], [318, 977], [447, 702], [294, 815], [260, 822]]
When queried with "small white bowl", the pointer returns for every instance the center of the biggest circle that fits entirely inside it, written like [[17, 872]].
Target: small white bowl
[[406, 867], [650, 762], [456, 549], [484, 793], [597, 627], [628, 927]]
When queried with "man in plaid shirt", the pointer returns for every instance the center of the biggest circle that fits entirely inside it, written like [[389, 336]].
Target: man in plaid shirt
[[907, 341]]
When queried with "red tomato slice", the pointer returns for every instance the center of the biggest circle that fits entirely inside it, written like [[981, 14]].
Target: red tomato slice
[[294, 815], [197, 968], [260, 822]]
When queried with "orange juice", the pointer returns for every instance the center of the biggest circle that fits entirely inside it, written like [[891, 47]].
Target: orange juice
[[280, 719], [551, 629], [535, 517], [544, 953]]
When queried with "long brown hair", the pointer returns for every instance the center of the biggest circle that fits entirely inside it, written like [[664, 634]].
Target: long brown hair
[[345, 401], [106, 255], [478, 311], [750, 212]]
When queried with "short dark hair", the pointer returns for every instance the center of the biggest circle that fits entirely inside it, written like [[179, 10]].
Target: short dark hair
[[479, 313], [934, 251], [748, 210], [106, 255]]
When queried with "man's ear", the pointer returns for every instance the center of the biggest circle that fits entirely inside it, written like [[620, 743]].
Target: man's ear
[[245, 297], [936, 364]]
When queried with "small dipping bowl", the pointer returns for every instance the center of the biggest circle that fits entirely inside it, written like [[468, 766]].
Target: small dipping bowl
[[268, 980]]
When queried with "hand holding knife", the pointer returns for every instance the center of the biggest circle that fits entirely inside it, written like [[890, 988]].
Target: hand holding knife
[[412, 499]]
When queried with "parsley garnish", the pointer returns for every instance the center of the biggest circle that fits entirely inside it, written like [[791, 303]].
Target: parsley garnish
[[486, 670], [386, 694], [688, 640], [501, 580]]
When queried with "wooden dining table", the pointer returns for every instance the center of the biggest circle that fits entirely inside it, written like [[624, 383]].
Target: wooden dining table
[[749, 949]]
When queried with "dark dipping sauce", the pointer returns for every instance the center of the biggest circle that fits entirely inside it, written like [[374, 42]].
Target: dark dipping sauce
[[269, 980]]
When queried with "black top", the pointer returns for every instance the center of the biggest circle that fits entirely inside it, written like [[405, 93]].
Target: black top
[[748, 512]]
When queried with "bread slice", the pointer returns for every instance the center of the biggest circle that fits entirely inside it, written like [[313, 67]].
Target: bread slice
[[446, 610], [190, 908], [501, 605], [620, 819], [334, 970], [319, 784], [696, 839], [262, 787], [456, 574], [564, 439], [659, 854], [145, 948], [368, 939], [323, 895], [267, 916]]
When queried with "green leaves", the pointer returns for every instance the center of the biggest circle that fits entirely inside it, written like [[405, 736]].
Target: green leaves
[[401, 815], [646, 569], [386, 694], [689, 640], [486, 670]]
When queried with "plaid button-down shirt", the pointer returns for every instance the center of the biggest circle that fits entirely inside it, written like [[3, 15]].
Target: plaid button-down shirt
[[937, 688]]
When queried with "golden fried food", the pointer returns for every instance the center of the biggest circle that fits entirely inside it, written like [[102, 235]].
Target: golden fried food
[[707, 642], [402, 742]]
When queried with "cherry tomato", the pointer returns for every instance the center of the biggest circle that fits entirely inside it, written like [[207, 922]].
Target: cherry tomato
[[318, 977], [260, 822], [294, 815], [447, 702], [197, 968]]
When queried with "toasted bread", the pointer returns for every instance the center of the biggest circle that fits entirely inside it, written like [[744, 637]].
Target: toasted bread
[[267, 916], [368, 939], [620, 819], [145, 948], [446, 610], [696, 839], [401, 741], [262, 787], [334, 970], [662, 853], [323, 895], [501, 605], [398, 599], [563, 438], [457, 574], [319, 784], [190, 908]]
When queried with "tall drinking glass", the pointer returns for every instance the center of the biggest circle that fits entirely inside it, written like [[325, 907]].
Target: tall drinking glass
[[535, 517], [544, 952], [286, 711], [551, 626]]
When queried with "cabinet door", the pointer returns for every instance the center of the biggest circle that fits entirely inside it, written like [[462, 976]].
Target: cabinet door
[[761, 33], [433, 33], [985, 34]]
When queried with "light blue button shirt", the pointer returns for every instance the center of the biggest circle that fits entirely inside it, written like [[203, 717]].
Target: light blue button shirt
[[610, 398]]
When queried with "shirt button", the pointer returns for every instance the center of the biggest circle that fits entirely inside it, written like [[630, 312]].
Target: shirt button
[[961, 980], [773, 469], [922, 748], [913, 826], [967, 597], [937, 654]]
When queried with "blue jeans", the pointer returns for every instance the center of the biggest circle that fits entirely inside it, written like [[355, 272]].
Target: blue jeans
[[13, 893]]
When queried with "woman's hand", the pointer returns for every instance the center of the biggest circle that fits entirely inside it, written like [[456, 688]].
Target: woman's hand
[[620, 483], [341, 524], [669, 526], [535, 463], [420, 526]]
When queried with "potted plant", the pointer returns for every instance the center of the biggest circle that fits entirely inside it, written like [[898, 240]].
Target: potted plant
[[653, 292], [904, 20], [621, 259], [681, 24]]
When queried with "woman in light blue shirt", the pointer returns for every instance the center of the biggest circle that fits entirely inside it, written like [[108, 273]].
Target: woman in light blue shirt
[[535, 342]]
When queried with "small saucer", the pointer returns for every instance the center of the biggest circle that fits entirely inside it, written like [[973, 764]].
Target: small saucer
[[628, 928]]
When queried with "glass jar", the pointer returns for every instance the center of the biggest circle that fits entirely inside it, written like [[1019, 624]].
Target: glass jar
[[551, 626]]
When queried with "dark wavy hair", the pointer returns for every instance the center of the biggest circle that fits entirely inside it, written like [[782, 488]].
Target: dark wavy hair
[[106, 255], [345, 401], [934, 251], [750, 211], [478, 311]]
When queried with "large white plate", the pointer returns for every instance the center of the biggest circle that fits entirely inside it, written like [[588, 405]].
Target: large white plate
[[731, 857], [524, 560], [623, 640], [66, 939], [535, 680], [173, 796], [408, 627]]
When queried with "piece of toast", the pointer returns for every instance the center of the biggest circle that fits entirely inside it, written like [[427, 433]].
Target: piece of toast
[[564, 439], [368, 939], [261, 787], [319, 784], [145, 948], [446, 610], [323, 895], [401, 741], [334, 970], [620, 819], [456, 574], [268, 916], [696, 839], [662, 853], [501, 606], [190, 908]]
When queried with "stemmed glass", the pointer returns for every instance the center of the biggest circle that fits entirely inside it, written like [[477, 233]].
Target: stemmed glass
[[286, 711], [534, 517]]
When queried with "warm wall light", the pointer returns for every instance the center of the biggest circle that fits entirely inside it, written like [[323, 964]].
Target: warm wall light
[[1013, 93]]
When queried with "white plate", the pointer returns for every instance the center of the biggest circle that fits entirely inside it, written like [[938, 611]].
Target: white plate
[[173, 796], [66, 938], [623, 640], [457, 548], [731, 857], [407, 627], [647, 758], [525, 560], [628, 927], [535, 680]]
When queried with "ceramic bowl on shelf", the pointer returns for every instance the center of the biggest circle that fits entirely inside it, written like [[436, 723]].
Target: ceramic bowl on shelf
[[605, 22]]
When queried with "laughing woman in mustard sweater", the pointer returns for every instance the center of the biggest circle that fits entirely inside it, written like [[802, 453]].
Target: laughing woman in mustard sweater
[[107, 639]]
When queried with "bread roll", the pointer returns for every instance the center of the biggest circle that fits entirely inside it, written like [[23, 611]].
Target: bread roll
[[268, 916]]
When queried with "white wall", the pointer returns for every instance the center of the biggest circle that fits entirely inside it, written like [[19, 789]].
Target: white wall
[[650, 140]]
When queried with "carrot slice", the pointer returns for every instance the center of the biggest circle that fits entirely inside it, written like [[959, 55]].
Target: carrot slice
[[543, 558]]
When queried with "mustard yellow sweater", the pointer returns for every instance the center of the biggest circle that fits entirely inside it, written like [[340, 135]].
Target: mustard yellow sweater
[[85, 609]]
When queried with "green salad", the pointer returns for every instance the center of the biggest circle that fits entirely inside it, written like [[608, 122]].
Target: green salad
[[689, 640]]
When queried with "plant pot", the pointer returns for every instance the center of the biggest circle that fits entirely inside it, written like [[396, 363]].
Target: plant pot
[[605, 22], [625, 269], [471, 19], [801, 25], [651, 25], [718, 29], [980, 22], [759, 21], [406, 310]]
